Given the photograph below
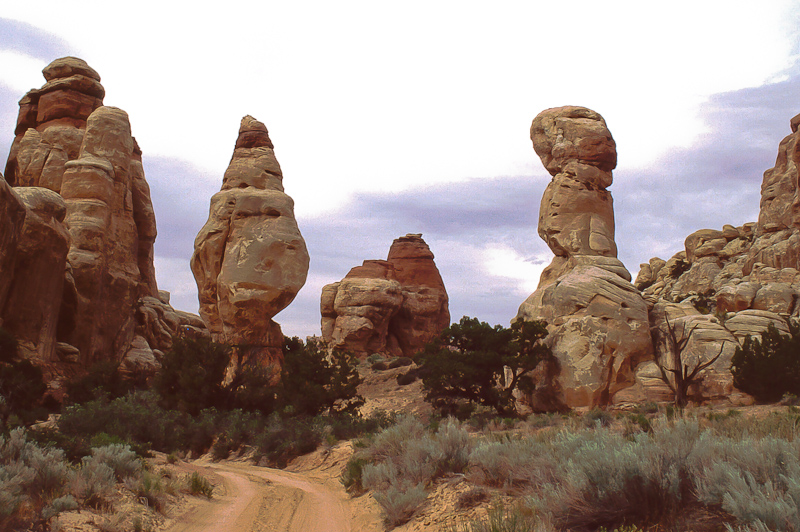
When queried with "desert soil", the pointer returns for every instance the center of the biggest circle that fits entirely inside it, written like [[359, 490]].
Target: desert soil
[[306, 497]]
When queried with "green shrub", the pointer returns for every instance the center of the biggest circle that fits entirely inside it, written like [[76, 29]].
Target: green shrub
[[191, 375], [120, 458], [404, 458], [404, 379], [500, 519], [400, 362], [597, 418], [769, 367], [22, 388], [150, 488], [375, 357], [470, 361], [352, 476], [283, 439], [400, 501], [199, 485], [93, 483], [102, 380], [138, 420], [314, 381], [66, 503]]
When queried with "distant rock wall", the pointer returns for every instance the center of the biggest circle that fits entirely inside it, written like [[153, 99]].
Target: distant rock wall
[[728, 283], [393, 307], [77, 261], [249, 259]]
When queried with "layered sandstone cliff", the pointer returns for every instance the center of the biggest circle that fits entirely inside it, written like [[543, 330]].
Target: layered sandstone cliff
[[250, 260], [728, 283], [80, 255], [394, 306]]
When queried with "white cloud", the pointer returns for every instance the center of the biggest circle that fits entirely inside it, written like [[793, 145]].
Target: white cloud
[[20, 72], [503, 261]]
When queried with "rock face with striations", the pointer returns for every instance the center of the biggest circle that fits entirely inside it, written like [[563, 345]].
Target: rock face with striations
[[394, 306], [597, 320], [250, 260], [82, 265], [735, 281]]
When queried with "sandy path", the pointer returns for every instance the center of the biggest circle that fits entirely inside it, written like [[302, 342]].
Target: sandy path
[[251, 498]]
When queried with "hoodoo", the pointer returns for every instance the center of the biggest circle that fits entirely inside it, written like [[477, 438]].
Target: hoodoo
[[597, 320], [250, 260]]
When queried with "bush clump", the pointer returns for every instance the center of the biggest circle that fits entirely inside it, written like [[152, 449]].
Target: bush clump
[[472, 363], [769, 367], [403, 459], [37, 483]]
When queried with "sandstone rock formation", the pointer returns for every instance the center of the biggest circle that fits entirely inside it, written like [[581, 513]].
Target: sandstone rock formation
[[737, 280], [597, 320], [250, 260], [12, 216], [82, 263], [394, 306]]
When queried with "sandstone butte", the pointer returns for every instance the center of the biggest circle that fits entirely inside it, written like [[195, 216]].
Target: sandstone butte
[[393, 306], [249, 259], [724, 285], [77, 229]]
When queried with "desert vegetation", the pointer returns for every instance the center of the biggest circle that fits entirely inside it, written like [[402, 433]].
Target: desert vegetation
[[711, 472], [472, 363], [110, 424], [650, 468]]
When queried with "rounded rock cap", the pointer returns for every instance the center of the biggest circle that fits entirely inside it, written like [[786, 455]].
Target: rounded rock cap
[[65, 67]]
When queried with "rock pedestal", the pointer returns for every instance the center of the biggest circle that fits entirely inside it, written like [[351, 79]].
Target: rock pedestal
[[597, 320], [250, 260]]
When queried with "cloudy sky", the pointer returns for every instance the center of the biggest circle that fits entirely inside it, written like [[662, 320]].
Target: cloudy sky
[[412, 117]]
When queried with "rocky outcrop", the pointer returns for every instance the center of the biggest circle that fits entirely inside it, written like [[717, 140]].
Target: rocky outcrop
[[737, 280], [82, 264], [597, 320], [394, 306], [34, 302], [250, 259], [12, 216]]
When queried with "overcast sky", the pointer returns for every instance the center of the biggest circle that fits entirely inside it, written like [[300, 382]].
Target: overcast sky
[[413, 117]]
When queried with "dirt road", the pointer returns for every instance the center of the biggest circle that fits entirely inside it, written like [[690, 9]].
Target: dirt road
[[250, 498]]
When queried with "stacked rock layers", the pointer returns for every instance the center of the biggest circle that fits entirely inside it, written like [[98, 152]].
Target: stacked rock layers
[[394, 306], [597, 320], [82, 258]]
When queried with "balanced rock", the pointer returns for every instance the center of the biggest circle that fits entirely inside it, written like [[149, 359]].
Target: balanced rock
[[597, 320], [249, 259], [394, 306]]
